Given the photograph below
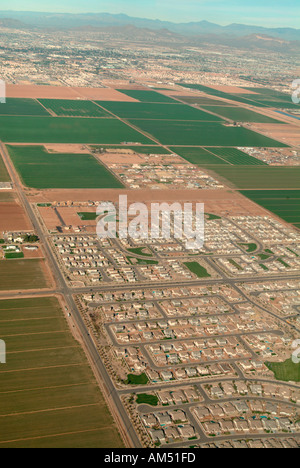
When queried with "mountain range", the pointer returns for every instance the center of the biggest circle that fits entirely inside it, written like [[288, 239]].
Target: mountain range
[[69, 21]]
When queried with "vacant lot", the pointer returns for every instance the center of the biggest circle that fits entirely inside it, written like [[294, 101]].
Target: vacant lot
[[15, 106], [284, 203], [139, 110], [264, 177], [49, 397], [146, 96], [137, 149], [203, 134], [68, 108], [12, 215], [66, 130], [22, 274], [239, 114], [42, 170]]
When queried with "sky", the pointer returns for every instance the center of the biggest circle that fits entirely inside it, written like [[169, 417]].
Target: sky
[[270, 13]]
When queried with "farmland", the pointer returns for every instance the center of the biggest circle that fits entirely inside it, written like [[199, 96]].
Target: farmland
[[4, 176], [14, 106], [264, 177], [240, 115], [22, 274], [136, 110], [43, 170], [147, 96], [48, 393], [68, 108], [66, 130], [284, 203], [216, 156], [203, 134]]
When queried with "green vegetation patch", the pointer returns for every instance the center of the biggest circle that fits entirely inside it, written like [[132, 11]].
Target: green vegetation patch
[[197, 269], [145, 398], [176, 111], [86, 216], [146, 96], [66, 130], [142, 251], [70, 108], [236, 157], [4, 175], [181, 133], [250, 248], [13, 255], [198, 156], [141, 379], [285, 371], [42, 170], [238, 114], [261, 177], [15, 106], [283, 203]]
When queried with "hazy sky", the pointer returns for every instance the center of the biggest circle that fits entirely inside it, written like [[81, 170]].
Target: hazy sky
[[279, 13]]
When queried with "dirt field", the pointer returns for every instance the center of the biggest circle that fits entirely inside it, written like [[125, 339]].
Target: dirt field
[[63, 92], [289, 134], [68, 215], [13, 218], [72, 149], [216, 201]]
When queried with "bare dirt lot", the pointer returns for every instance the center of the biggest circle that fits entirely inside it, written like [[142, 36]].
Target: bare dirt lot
[[64, 92], [52, 218], [62, 148], [13, 218], [289, 134]]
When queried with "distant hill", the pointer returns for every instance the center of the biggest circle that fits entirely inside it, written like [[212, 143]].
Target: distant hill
[[66, 20]]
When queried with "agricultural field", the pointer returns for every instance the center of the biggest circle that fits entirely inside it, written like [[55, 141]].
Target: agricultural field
[[42, 170], [147, 96], [203, 101], [203, 134], [263, 177], [198, 156], [283, 203], [66, 130], [69, 108], [22, 274], [236, 157], [139, 110], [49, 397], [238, 114], [14, 106]]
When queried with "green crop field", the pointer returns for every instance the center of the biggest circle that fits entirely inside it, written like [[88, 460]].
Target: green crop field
[[203, 134], [263, 177], [236, 157], [285, 371], [70, 108], [283, 203], [49, 396], [147, 96], [239, 114], [197, 269], [140, 110], [42, 170], [66, 130], [21, 274], [198, 156], [203, 101], [15, 106]]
